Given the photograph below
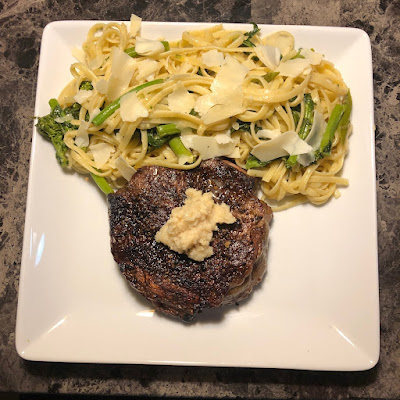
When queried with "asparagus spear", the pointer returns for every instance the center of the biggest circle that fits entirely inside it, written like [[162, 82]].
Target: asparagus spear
[[102, 183], [344, 122], [333, 123], [112, 107], [167, 129], [305, 126], [179, 148]]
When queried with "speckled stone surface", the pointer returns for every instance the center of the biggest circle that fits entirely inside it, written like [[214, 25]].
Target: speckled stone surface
[[21, 27]]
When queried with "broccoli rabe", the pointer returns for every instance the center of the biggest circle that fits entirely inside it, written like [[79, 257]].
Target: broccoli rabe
[[55, 131], [254, 162], [155, 140], [168, 133], [73, 110], [247, 42], [86, 85]]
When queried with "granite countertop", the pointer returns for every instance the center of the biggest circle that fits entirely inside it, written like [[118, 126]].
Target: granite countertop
[[22, 23]]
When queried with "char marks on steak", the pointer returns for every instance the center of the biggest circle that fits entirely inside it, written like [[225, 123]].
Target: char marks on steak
[[172, 282]]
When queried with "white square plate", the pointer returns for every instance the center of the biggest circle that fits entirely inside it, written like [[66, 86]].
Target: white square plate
[[317, 307]]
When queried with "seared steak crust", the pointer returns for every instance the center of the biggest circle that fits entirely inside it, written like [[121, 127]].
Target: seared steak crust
[[172, 282]]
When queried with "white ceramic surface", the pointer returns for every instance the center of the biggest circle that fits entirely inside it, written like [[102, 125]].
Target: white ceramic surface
[[317, 307]]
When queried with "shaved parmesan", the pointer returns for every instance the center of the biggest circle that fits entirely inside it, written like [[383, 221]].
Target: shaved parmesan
[[250, 64], [213, 58], [268, 133], [185, 67], [293, 68], [135, 24], [101, 86], [297, 66], [183, 159], [82, 136], [96, 62], [235, 153], [148, 47], [314, 57], [132, 108], [122, 68], [79, 54], [220, 112], [288, 143], [208, 146], [227, 106], [282, 39], [269, 55], [94, 112], [296, 146], [124, 168], [180, 100], [183, 127], [147, 68], [205, 102], [223, 138], [313, 139], [229, 77], [101, 153], [82, 96], [226, 99]]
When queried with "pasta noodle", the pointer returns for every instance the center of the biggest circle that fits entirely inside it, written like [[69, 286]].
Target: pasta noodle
[[269, 103]]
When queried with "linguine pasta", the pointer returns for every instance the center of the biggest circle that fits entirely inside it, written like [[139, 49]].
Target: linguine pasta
[[208, 84]]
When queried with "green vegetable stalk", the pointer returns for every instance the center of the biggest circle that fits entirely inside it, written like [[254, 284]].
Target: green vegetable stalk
[[333, 123], [102, 183], [165, 44], [154, 140], [296, 117], [345, 121], [167, 130], [131, 52], [247, 42], [55, 131], [306, 125], [179, 148], [254, 162], [112, 107]]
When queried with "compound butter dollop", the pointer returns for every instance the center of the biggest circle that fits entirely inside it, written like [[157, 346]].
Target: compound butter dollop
[[189, 228]]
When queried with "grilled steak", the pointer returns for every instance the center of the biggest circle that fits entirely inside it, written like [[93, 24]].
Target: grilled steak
[[172, 282]]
